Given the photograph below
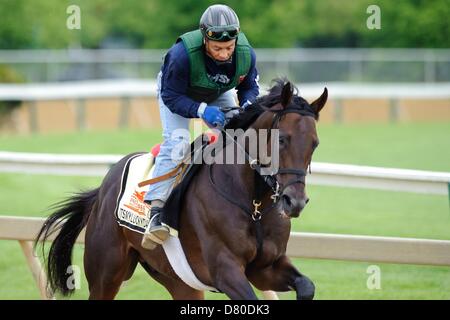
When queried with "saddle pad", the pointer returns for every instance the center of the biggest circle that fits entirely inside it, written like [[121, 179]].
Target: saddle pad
[[131, 210], [133, 213]]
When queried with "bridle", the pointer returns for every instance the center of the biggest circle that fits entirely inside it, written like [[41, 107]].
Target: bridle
[[270, 180]]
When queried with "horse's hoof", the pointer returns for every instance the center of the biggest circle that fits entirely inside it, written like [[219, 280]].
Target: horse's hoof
[[305, 288]]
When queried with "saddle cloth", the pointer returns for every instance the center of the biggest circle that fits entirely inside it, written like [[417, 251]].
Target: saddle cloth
[[133, 213]]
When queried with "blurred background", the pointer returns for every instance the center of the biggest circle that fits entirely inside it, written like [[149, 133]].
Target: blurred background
[[320, 42], [90, 89]]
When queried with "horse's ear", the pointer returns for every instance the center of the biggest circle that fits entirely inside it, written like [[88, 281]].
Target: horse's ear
[[318, 104], [286, 94]]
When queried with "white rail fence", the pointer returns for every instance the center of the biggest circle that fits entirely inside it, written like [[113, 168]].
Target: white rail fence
[[300, 245], [147, 88], [344, 175]]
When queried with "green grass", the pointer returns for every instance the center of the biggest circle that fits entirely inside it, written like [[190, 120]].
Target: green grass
[[109, 142], [424, 146], [332, 209]]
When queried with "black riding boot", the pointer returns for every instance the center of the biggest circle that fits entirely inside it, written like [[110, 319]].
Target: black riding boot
[[156, 233]]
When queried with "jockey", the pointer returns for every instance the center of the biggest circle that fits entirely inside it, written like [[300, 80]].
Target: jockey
[[197, 77]]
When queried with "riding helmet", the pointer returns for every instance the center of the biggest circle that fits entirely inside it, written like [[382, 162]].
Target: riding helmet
[[220, 23]]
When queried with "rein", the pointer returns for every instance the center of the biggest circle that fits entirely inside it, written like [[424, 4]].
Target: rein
[[270, 180]]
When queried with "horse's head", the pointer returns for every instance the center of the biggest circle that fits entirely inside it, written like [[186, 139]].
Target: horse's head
[[297, 141], [295, 119]]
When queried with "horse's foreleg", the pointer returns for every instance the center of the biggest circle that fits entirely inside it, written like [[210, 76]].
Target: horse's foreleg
[[229, 277], [283, 276]]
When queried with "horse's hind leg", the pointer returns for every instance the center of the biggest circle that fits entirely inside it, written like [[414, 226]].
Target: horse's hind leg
[[108, 259], [107, 269], [177, 288]]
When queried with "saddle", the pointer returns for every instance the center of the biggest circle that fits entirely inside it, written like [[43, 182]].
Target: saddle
[[186, 164], [131, 210], [189, 168]]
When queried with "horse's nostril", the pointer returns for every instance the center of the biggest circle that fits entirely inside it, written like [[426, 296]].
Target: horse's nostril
[[307, 200], [287, 201]]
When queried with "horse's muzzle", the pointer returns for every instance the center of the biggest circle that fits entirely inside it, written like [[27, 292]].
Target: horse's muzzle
[[292, 206]]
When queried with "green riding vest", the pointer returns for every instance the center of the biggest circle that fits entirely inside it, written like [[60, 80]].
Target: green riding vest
[[201, 88]]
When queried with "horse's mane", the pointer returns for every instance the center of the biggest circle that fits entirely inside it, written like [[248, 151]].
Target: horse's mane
[[264, 103]]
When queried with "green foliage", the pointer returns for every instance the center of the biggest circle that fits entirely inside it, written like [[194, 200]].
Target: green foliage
[[267, 23], [407, 23], [14, 33]]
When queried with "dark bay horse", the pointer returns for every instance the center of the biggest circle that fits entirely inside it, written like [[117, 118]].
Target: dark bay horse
[[217, 229]]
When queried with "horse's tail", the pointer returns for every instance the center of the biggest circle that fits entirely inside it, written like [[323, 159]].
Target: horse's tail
[[70, 218]]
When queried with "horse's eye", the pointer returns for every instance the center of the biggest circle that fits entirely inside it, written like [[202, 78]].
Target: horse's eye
[[283, 141]]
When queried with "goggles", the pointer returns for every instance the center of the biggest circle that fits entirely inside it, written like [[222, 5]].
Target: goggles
[[221, 33]]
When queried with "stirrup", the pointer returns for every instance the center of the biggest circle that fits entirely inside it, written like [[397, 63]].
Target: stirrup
[[156, 233], [148, 243]]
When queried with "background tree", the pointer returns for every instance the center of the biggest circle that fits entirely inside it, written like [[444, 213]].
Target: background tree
[[268, 23]]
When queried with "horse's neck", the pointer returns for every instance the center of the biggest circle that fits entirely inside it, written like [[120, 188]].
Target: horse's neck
[[238, 180], [243, 175], [241, 180]]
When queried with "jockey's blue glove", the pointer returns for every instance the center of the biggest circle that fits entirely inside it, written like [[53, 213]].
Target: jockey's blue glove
[[212, 115]]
